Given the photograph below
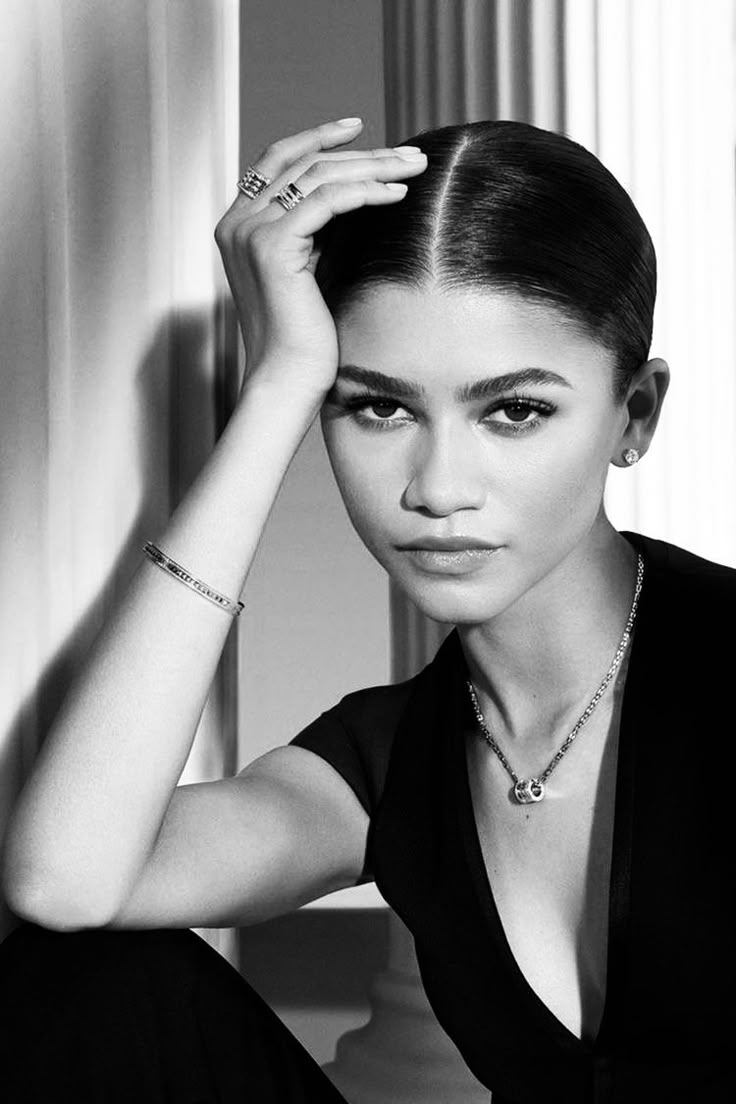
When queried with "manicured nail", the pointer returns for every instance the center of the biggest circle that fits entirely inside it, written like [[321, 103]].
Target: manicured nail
[[397, 187], [350, 121], [410, 153], [407, 149]]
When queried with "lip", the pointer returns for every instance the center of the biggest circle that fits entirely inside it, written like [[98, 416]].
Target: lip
[[459, 561], [447, 544]]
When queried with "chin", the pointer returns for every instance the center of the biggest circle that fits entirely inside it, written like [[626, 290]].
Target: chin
[[450, 604]]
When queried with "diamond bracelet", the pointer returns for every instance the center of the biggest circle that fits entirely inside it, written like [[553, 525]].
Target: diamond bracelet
[[173, 568]]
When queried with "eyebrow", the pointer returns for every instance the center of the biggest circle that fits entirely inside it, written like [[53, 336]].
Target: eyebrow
[[466, 393]]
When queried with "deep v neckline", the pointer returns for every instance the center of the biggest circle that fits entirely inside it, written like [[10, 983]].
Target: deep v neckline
[[619, 879]]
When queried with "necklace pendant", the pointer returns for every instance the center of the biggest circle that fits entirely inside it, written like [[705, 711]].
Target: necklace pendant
[[528, 790]]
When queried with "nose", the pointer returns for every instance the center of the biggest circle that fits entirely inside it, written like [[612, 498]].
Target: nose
[[448, 472]]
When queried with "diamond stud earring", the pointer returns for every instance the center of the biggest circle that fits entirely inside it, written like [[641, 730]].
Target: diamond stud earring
[[631, 455]]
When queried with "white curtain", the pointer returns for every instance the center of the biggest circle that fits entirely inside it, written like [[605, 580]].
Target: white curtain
[[648, 86], [119, 152]]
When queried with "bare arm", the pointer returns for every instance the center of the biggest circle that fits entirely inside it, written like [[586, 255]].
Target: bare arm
[[286, 830], [91, 809], [100, 823]]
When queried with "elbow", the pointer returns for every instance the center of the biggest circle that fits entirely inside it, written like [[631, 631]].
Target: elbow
[[55, 917], [38, 901], [56, 913], [49, 890]]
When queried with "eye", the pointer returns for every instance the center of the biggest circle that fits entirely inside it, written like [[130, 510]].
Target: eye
[[523, 414], [517, 411], [381, 405]]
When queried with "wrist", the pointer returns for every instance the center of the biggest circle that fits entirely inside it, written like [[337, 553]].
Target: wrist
[[284, 395]]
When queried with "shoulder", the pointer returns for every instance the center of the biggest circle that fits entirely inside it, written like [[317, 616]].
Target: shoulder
[[686, 602], [685, 574], [356, 735], [374, 709]]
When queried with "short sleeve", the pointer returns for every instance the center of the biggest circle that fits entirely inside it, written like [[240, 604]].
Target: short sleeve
[[328, 737], [355, 737]]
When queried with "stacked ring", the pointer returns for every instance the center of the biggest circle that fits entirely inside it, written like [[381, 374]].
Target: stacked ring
[[289, 196], [252, 183]]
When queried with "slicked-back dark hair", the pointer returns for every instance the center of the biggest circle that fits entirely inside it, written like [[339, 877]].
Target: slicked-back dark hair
[[507, 206]]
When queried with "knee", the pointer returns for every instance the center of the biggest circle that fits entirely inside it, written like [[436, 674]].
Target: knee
[[97, 1000], [48, 952], [30, 934], [101, 976]]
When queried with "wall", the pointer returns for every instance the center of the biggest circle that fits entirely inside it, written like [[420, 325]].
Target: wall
[[118, 145], [119, 149], [316, 623], [317, 602]]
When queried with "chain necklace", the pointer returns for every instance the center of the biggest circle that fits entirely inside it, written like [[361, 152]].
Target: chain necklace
[[529, 790]]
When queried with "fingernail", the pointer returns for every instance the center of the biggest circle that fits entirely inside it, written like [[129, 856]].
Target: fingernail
[[407, 149], [350, 121], [397, 187], [409, 154]]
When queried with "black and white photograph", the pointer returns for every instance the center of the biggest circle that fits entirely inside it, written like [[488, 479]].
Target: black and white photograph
[[367, 551]]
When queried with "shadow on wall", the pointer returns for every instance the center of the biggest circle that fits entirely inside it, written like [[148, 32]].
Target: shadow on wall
[[307, 961], [177, 398]]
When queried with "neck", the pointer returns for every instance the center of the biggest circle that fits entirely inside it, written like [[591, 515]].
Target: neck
[[536, 665]]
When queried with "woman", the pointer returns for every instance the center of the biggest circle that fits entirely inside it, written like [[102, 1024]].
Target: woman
[[472, 322]]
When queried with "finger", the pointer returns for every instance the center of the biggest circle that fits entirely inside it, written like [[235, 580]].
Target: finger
[[299, 169], [328, 200], [391, 167], [304, 163], [348, 155], [384, 170], [281, 154]]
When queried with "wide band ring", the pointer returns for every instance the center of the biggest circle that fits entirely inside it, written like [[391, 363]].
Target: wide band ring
[[252, 183], [289, 196]]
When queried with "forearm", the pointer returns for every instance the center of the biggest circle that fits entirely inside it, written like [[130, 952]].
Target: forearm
[[92, 807]]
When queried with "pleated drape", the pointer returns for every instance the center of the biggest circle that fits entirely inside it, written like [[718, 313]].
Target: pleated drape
[[119, 151], [648, 86]]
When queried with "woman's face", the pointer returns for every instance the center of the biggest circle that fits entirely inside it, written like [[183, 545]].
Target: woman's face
[[519, 462]]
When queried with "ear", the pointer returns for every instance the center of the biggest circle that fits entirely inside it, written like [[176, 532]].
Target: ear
[[643, 406]]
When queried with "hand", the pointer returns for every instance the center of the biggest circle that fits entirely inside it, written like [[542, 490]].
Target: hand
[[268, 253]]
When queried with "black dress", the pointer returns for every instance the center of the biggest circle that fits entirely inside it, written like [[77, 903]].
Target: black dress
[[663, 1036]]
